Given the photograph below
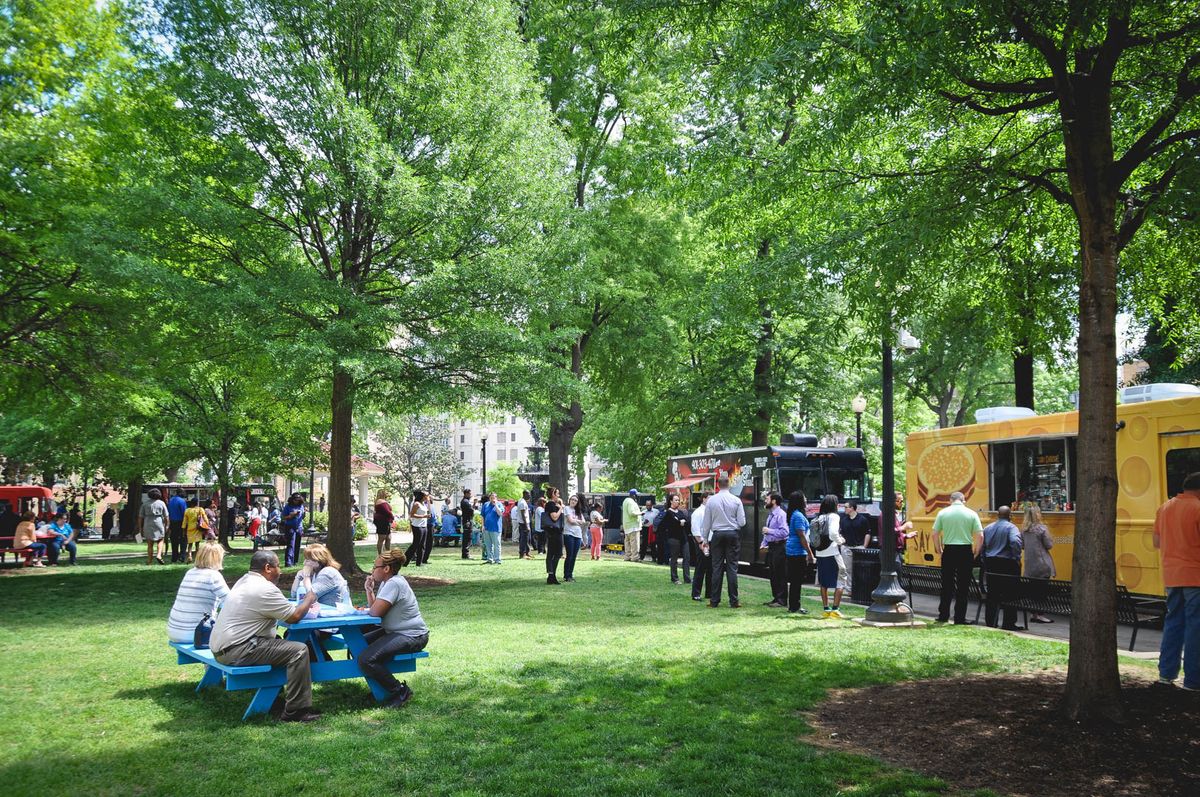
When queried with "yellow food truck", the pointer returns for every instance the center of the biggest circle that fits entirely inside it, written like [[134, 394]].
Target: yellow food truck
[[1018, 458]]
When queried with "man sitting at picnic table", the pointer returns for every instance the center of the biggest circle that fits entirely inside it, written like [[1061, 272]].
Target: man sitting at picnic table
[[244, 634]]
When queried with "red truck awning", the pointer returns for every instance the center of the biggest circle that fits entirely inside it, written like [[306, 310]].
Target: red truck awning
[[681, 484]]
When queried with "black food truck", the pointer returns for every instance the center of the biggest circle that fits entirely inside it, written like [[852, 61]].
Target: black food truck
[[797, 463]]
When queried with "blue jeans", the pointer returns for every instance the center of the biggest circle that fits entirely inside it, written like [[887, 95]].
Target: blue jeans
[[491, 551], [572, 544], [56, 546], [1181, 634]]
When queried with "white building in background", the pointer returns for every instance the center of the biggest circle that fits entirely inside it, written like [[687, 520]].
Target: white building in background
[[508, 437], [508, 441]]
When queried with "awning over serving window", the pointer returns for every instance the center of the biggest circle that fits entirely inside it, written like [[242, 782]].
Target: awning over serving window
[[683, 484]]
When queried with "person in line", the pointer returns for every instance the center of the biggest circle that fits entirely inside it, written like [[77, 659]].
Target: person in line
[[292, 520], [825, 538], [153, 517], [520, 515], [75, 518], [194, 521], [418, 521], [1037, 542], [597, 529], [210, 513], [798, 550], [1002, 545], [176, 508], [383, 519], [430, 528], [25, 536], [466, 512], [539, 536], [957, 538], [702, 579], [575, 523], [904, 531], [493, 519], [672, 531], [64, 537], [774, 542], [325, 577], [255, 518], [244, 634], [855, 528], [552, 524], [631, 525], [403, 629], [724, 519], [1177, 537], [201, 592], [648, 544]]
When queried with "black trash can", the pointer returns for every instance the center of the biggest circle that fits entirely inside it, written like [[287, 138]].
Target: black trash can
[[864, 575]]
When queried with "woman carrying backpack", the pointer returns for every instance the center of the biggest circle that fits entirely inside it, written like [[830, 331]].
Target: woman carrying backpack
[[824, 537]]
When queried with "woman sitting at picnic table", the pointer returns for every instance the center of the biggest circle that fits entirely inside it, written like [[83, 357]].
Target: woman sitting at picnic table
[[327, 579], [202, 590], [25, 536], [403, 629]]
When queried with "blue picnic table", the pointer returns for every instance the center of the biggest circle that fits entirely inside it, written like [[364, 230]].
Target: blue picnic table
[[268, 681]]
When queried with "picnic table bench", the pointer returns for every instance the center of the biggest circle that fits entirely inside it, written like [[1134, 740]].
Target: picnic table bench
[[6, 548], [267, 680], [1051, 596], [926, 580]]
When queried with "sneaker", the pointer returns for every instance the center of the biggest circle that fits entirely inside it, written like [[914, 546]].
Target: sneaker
[[1165, 682], [697, 598], [797, 611], [1187, 688], [303, 715], [835, 614], [775, 604], [399, 697]]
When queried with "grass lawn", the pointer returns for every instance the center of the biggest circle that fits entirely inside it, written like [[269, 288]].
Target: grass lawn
[[616, 684]]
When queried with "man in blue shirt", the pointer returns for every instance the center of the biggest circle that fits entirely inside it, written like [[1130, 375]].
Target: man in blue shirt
[[449, 524], [1002, 544], [64, 537], [493, 517], [176, 507], [293, 526]]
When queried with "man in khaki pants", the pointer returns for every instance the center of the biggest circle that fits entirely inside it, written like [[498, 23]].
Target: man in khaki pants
[[631, 524]]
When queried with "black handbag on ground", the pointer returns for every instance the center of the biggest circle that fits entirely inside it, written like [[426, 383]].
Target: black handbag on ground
[[203, 632]]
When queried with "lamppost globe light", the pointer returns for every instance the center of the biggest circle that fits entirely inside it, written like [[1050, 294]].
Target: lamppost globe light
[[858, 404]]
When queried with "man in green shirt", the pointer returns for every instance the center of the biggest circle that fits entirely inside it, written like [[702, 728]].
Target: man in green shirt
[[957, 537], [631, 524]]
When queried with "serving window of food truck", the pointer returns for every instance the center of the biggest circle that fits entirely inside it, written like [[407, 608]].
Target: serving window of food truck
[[1180, 463], [1038, 471]]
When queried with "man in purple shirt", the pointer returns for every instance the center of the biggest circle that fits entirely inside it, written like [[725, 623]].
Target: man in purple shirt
[[774, 540]]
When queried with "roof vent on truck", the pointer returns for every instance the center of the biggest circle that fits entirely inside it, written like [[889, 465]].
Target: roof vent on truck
[[989, 414], [1136, 394], [798, 439]]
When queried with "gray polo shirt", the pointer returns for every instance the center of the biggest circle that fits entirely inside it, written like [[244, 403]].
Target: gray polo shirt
[[252, 609]]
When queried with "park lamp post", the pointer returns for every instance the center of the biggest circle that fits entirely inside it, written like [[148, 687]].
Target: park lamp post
[[887, 601], [483, 455], [859, 405]]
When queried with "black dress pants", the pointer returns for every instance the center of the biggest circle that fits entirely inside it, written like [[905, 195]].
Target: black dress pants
[[957, 563], [777, 560], [702, 577], [1004, 566], [178, 541], [466, 539]]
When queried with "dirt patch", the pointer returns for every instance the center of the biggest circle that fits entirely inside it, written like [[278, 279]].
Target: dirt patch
[[1004, 733]]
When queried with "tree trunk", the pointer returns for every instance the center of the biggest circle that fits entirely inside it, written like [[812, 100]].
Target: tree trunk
[[563, 429], [764, 365], [1023, 374], [223, 480], [1093, 689], [341, 528]]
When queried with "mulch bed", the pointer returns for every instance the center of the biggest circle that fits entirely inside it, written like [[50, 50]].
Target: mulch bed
[[1003, 732]]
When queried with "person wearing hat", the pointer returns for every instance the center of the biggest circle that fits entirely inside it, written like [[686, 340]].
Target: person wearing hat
[[631, 524]]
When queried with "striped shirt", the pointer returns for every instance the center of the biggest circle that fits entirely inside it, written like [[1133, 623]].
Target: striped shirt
[[200, 593]]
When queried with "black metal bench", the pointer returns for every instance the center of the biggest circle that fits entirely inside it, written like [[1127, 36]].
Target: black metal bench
[[1050, 596], [926, 580]]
